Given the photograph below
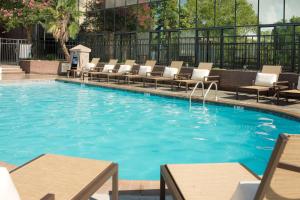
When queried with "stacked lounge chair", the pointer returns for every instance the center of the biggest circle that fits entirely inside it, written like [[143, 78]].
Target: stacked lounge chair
[[202, 73], [290, 94], [265, 81], [233, 181], [169, 74], [50, 177], [143, 71]]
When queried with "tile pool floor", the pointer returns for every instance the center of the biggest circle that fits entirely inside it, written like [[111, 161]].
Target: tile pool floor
[[149, 190]]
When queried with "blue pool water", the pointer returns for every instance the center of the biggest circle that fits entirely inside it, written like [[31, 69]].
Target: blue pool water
[[138, 131]]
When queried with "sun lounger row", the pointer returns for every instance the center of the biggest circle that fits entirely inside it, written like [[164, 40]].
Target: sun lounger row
[[50, 177], [266, 81]]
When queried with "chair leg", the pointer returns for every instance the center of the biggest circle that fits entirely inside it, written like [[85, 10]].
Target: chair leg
[[143, 82], [155, 84], [162, 188], [237, 94], [257, 97], [186, 87], [115, 186]]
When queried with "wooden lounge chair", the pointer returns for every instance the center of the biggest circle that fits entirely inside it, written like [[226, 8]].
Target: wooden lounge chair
[[123, 69], [199, 74], [142, 72], [265, 81], [225, 181], [289, 94], [89, 66], [100, 70], [50, 177], [169, 74]]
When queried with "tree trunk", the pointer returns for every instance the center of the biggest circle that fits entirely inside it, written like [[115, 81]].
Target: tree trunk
[[65, 50]]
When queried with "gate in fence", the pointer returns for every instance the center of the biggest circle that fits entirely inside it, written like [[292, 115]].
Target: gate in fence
[[12, 50]]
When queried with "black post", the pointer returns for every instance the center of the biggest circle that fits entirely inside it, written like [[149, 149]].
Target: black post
[[158, 47], [215, 11], [222, 48], [258, 47], [293, 48], [196, 47], [207, 45], [150, 45], [283, 11]]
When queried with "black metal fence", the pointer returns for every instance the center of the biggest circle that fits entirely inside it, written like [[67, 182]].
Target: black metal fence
[[12, 50], [226, 47]]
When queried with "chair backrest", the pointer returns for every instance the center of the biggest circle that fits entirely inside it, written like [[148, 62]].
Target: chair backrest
[[129, 62], [113, 62], [272, 69], [150, 63], [205, 65], [177, 64], [95, 61], [282, 176]]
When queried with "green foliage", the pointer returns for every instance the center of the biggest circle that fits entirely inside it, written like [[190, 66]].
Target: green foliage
[[63, 22], [22, 13]]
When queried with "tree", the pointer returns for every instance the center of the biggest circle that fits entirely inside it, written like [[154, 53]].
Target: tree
[[23, 13], [63, 22]]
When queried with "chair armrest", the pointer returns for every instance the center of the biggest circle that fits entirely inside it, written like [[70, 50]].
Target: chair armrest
[[98, 68], [212, 78], [183, 76], [48, 197], [281, 85], [156, 73]]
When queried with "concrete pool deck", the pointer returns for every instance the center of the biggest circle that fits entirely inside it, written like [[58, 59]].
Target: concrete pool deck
[[149, 190]]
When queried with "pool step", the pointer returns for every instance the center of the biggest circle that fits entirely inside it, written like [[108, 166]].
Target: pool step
[[11, 69]]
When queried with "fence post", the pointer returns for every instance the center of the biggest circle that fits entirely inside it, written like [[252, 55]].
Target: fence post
[[17, 51], [258, 48], [0, 50], [293, 49], [207, 45], [196, 47], [222, 48]]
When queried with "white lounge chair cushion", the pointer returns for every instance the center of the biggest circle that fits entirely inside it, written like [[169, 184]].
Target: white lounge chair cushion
[[298, 86], [200, 74], [170, 72], [7, 188], [124, 68], [246, 190], [264, 79], [90, 65], [144, 70], [108, 68]]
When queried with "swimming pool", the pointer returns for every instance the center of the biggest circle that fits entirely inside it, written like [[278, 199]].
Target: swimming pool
[[139, 131]]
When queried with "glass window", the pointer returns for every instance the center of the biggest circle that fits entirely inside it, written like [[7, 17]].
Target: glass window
[[144, 18], [119, 3], [271, 11], [246, 12], [225, 12], [120, 19], [131, 17], [109, 3], [292, 11]]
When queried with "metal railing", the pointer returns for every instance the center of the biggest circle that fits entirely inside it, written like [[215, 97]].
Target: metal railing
[[12, 50], [224, 46]]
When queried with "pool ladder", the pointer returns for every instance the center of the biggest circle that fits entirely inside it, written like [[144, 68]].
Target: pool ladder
[[204, 94]]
